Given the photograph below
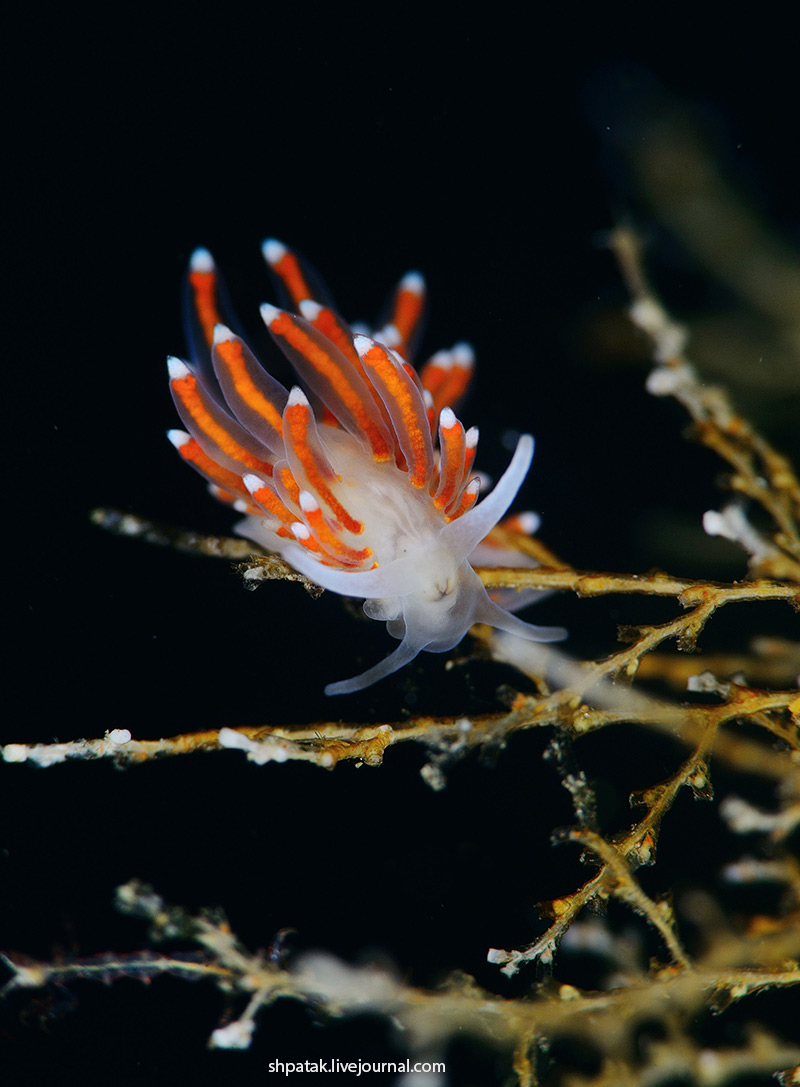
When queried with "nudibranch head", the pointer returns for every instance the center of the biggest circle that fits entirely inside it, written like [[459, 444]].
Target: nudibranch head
[[360, 475]]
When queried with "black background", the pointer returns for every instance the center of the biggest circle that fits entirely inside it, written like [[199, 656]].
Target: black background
[[485, 153]]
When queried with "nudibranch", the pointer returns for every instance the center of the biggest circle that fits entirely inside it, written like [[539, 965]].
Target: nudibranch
[[360, 474]]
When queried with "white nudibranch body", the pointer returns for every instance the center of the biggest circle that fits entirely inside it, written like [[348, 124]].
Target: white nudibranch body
[[352, 491]]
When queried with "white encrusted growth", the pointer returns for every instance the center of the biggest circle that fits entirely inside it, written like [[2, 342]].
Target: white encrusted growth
[[44, 754], [676, 380], [668, 336], [119, 736], [433, 776], [707, 683], [235, 1035], [258, 751], [15, 753], [757, 870], [731, 522], [346, 987], [744, 818]]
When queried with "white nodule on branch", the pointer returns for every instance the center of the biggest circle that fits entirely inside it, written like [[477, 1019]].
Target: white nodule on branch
[[755, 870], [668, 336], [235, 1035], [671, 380], [257, 751], [40, 754], [743, 818], [51, 754], [707, 683], [732, 524], [323, 976]]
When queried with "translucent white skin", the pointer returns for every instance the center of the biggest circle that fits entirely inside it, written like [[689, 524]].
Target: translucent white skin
[[423, 586]]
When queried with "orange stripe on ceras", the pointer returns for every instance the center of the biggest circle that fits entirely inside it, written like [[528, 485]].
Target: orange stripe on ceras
[[290, 486], [334, 329], [453, 386], [407, 311], [288, 268], [331, 542], [412, 373], [204, 293], [267, 498], [399, 390], [298, 417], [228, 499], [432, 376], [516, 523], [330, 326], [467, 500], [227, 482], [327, 367], [452, 460], [231, 353], [186, 389]]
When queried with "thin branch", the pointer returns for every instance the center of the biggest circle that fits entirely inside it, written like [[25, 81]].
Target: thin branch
[[760, 473], [737, 969]]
